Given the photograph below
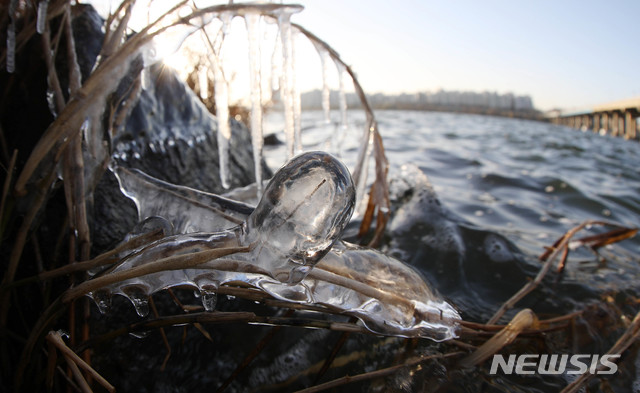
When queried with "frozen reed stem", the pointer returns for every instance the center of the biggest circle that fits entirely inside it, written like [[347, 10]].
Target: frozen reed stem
[[175, 262], [523, 320]]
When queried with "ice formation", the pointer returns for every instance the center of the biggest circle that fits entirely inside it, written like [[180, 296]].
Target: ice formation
[[11, 47], [41, 18], [222, 105], [252, 21], [295, 253]]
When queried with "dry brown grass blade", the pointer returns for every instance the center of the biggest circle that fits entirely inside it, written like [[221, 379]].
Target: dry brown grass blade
[[52, 360], [107, 258], [381, 191], [113, 38], [603, 239], [523, 320], [73, 358]]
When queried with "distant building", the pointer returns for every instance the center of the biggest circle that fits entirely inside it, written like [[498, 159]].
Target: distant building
[[485, 102]]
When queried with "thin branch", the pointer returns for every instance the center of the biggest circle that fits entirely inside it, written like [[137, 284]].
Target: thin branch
[[523, 320]]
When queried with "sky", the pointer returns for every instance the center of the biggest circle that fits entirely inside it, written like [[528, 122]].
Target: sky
[[564, 54]]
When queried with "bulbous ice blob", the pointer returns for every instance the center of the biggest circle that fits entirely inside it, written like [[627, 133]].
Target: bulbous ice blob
[[302, 213]]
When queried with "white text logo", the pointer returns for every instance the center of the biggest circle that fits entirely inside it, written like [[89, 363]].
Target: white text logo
[[554, 364]]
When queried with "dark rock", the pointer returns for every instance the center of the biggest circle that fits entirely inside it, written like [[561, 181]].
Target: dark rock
[[272, 140]]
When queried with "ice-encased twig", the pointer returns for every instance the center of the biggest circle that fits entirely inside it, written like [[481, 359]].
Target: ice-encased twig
[[388, 296], [378, 200]]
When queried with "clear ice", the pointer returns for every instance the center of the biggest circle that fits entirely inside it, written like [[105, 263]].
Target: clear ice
[[252, 21], [41, 18], [287, 89], [11, 47], [295, 252]]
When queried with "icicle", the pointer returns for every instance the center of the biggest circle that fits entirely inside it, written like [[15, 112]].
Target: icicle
[[342, 95], [325, 60], [139, 298], [284, 24], [145, 78], [222, 106], [11, 47], [276, 64], [209, 300], [51, 99], [42, 16], [297, 105], [252, 21], [102, 298]]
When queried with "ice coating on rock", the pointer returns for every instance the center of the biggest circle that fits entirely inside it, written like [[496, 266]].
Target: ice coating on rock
[[187, 210], [295, 256]]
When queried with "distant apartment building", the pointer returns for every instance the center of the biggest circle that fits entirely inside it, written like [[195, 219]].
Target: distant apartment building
[[464, 101]]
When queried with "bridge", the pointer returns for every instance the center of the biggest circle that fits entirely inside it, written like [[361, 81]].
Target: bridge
[[618, 118]]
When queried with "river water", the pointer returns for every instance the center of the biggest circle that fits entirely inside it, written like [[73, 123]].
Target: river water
[[507, 188], [475, 199]]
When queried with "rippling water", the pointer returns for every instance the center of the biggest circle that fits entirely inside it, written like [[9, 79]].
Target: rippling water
[[475, 199], [527, 180], [507, 188]]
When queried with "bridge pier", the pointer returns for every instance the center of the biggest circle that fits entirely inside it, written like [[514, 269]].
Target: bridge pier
[[617, 119]]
